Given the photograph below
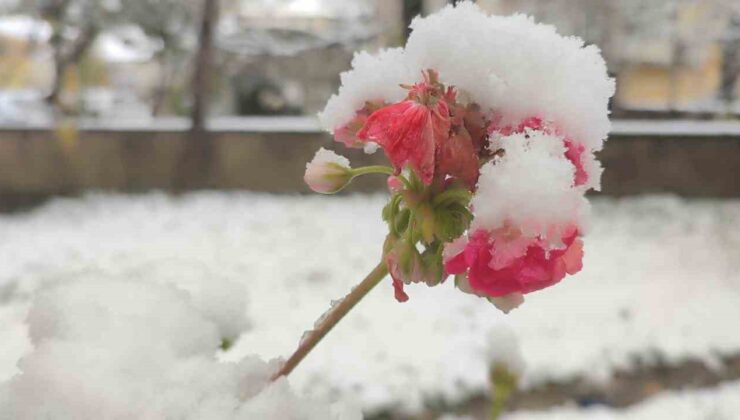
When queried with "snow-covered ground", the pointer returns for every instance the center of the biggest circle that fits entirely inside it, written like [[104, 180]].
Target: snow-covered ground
[[721, 403], [661, 279]]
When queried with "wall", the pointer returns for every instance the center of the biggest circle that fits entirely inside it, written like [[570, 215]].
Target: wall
[[269, 154]]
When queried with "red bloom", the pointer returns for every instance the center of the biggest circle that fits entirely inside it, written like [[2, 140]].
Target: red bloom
[[535, 269], [428, 131], [408, 132]]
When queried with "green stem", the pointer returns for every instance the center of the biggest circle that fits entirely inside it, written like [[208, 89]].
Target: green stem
[[375, 169], [380, 169], [503, 385], [331, 318]]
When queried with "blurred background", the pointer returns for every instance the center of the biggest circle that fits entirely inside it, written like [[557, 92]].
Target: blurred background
[[177, 78], [136, 59], [114, 112]]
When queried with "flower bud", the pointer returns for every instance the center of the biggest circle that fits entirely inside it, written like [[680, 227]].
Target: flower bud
[[328, 172], [394, 184]]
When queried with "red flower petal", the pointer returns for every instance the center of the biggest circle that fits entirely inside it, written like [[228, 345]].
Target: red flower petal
[[408, 132]]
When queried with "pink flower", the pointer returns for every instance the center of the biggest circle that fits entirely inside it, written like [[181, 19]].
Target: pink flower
[[502, 263], [328, 172]]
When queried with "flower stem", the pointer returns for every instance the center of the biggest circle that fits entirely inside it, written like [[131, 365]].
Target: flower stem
[[503, 385], [375, 169], [331, 319]]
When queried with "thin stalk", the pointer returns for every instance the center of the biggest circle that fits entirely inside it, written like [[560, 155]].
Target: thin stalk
[[503, 385], [374, 169], [331, 318], [380, 169]]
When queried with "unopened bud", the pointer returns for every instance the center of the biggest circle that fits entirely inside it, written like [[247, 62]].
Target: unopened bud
[[328, 172], [394, 184]]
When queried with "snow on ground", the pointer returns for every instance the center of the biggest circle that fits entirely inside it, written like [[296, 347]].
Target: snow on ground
[[660, 280], [721, 403], [24, 27], [133, 349]]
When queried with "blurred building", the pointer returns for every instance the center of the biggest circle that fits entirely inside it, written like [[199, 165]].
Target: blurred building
[[666, 55], [285, 56]]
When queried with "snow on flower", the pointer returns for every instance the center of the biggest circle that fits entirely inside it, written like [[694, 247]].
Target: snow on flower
[[328, 172], [126, 349], [529, 215], [507, 64], [499, 119], [587, 169]]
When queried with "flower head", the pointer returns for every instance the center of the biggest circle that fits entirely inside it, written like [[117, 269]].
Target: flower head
[[500, 264], [328, 172], [491, 151], [409, 131]]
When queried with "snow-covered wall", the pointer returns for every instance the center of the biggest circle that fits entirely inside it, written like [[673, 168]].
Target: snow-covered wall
[[269, 154]]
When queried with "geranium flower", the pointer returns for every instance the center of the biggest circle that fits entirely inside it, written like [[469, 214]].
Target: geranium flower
[[502, 262]]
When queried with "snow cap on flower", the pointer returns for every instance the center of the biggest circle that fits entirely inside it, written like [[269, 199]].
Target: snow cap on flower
[[508, 65], [530, 187], [587, 169], [328, 172]]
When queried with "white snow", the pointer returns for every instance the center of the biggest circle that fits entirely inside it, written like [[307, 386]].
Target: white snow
[[677, 128], [529, 187], [25, 28], [504, 349], [721, 403], [117, 349], [324, 156], [660, 279], [337, 9], [21, 107], [125, 44], [509, 65], [373, 76]]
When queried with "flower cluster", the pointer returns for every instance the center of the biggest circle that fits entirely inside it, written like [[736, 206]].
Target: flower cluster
[[490, 125]]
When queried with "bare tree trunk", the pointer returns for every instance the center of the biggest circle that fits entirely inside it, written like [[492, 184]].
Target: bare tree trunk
[[194, 167], [203, 61], [63, 59], [160, 92]]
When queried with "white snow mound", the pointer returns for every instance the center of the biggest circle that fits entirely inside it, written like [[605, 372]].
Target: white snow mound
[[126, 349]]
